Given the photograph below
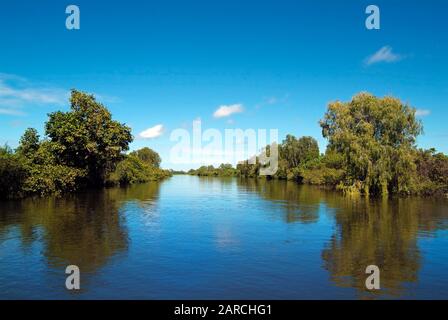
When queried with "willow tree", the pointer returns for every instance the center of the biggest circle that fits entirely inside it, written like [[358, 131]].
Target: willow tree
[[376, 137]]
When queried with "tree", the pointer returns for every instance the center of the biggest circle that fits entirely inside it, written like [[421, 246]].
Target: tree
[[432, 169], [87, 138], [148, 156], [376, 137], [138, 167], [298, 151], [12, 174], [289, 151], [308, 149], [48, 176], [29, 142]]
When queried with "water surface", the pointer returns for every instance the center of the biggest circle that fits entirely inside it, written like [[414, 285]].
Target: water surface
[[223, 238]]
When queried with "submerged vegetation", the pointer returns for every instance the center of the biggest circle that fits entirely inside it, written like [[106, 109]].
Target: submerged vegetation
[[371, 150], [83, 147]]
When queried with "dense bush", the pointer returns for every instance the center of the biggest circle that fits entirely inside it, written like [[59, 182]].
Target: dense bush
[[55, 179], [432, 169], [13, 173], [133, 170]]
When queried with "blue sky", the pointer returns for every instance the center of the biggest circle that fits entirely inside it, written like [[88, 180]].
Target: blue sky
[[169, 62]]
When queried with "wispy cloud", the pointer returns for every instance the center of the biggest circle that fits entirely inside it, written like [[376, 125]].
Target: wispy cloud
[[20, 90], [227, 110], [152, 132], [17, 92], [385, 54], [422, 112], [273, 100]]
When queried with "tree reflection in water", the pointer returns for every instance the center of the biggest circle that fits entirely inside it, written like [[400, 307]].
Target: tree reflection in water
[[382, 232], [340, 234], [299, 204], [85, 229]]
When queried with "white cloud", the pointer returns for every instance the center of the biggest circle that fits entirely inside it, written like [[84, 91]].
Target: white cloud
[[152, 132], [385, 54], [422, 112], [227, 110]]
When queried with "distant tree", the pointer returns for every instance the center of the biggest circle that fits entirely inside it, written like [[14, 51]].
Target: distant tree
[[225, 166], [289, 151], [376, 137], [308, 149], [249, 168], [297, 151], [148, 156], [86, 137]]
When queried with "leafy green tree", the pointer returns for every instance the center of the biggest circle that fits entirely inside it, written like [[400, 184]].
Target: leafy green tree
[[432, 169], [297, 151], [289, 151], [148, 156], [48, 176], [308, 149], [376, 137], [29, 142], [138, 167], [87, 138]]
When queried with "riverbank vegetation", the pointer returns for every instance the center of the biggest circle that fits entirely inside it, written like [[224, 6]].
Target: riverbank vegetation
[[371, 150], [224, 170], [82, 148]]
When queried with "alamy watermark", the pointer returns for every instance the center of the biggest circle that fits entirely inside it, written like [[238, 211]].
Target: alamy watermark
[[73, 21], [73, 281], [211, 146], [373, 20], [373, 280]]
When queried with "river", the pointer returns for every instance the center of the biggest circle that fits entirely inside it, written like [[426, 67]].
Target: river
[[223, 238]]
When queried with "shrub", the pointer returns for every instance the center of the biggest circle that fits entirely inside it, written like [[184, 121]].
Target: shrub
[[13, 173]]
